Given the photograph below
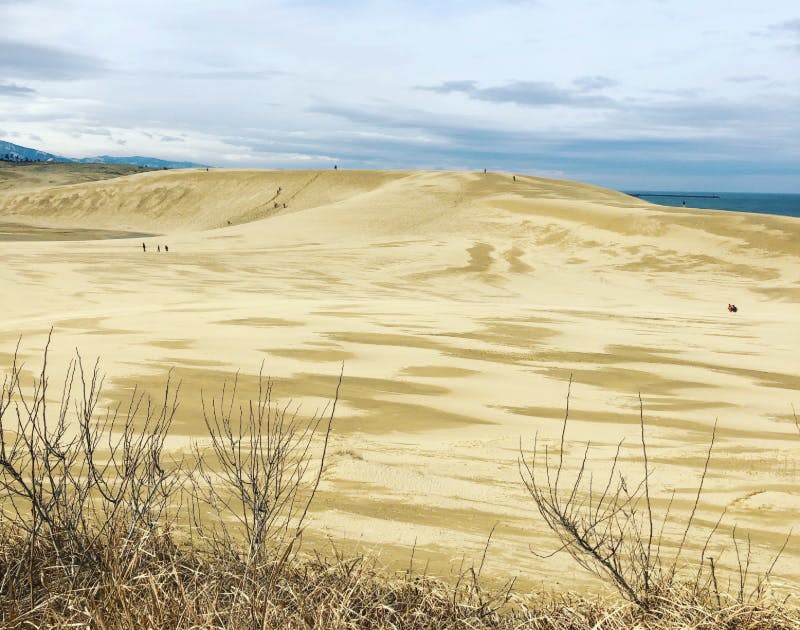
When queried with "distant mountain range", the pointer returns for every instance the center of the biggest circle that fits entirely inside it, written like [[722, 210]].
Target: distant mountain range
[[10, 152]]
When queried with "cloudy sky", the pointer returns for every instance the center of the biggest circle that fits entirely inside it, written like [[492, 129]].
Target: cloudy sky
[[631, 94]]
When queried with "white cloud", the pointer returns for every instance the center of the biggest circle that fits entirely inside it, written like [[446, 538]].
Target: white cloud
[[270, 82]]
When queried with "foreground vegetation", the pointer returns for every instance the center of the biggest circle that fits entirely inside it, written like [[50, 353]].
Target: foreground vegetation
[[102, 527], [158, 584]]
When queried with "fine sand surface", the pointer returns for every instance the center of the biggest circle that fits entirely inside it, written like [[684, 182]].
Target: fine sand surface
[[459, 305], [16, 177]]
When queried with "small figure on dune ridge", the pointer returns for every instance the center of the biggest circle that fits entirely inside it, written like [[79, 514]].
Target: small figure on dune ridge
[[144, 247], [732, 308], [159, 249], [166, 248]]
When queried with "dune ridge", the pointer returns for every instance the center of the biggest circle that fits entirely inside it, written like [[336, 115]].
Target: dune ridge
[[184, 199]]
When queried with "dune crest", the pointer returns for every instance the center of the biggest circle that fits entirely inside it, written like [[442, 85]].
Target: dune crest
[[163, 201]]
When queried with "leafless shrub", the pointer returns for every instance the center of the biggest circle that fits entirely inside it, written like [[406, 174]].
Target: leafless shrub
[[260, 473], [85, 483], [609, 528]]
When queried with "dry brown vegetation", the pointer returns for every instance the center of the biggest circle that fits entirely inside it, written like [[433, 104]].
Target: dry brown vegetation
[[102, 527]]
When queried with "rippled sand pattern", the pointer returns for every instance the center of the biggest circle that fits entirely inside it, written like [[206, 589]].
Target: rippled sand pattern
[[459, 306]]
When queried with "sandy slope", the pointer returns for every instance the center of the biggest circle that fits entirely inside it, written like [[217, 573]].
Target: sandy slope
[[460, 304], [38, 175]]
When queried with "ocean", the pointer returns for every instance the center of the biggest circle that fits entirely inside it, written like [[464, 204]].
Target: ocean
[[762, 203]]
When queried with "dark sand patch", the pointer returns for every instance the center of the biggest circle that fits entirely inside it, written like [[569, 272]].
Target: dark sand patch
[[193, 362], [172, 344], [375, 400], [634, 354], [552, 235], [501, 332], [623, 380], [386, 339], [779, 294], [479, 263], [400, 509], [674, 262], [380, 416], [759, 233], [397, 243], [436, 371], [576, 416], [24, 232], [571, 358], [90, 325], [751, 460], [491, 356], [311, 354], [626, 220], [412, 341], [480, 257], [341, 313], [261, 322], [515, 264], [779, 380], [667, 403]]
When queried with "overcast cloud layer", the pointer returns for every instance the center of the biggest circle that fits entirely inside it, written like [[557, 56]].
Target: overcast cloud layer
[[631, 94]]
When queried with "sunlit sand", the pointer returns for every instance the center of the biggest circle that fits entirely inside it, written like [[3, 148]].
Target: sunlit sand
[[459, 305]]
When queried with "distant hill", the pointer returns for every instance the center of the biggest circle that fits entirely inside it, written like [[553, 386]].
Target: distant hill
[[138, 160], [11, 152]]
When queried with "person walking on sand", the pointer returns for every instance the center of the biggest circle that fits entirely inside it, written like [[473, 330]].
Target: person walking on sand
[[144, 247], [166, 248], [159, 249]]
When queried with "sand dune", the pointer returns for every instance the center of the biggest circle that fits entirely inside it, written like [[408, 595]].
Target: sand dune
[[460, 304], [162, 201], [16, 177]]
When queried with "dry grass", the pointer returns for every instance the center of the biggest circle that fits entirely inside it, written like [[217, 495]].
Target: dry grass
[[169, 586], [101, 529]]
